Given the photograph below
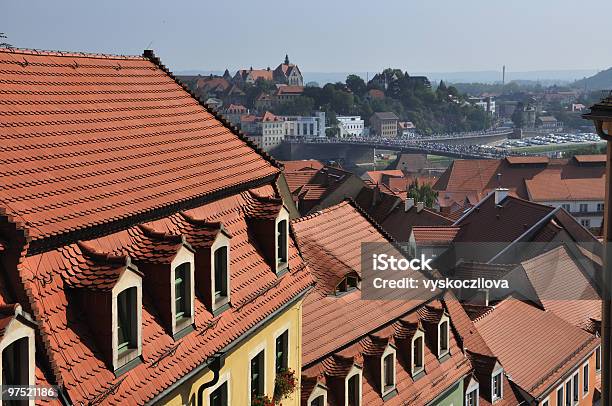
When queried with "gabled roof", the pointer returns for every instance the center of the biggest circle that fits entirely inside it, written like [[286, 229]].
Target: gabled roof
[[290, 166], [93, 139], [399, 222], [287, 89], [536, 347], [386, 115]]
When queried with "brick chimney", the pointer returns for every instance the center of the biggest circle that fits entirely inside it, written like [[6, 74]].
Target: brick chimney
[[409, 203], [420, 206], [500, 194]]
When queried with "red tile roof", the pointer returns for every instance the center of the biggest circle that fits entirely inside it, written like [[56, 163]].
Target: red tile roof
[[565, 285], [90, 139], [536, 347], [290, 166], [256, 293], [399, 222], [599, 158], [287, 89], [537, 178], [427, 235]]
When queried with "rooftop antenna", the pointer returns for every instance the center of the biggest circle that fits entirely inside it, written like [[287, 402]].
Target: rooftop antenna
[[504, 75]]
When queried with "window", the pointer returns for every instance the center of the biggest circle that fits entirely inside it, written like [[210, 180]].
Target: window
[[600, 206], [585, 379], [281, 241], [219, 396], [560, 396], [257, 375], [566, 206], [318, 401], [221, 274], [126, 321], [351, 283], [497, 386], [575, 387], [443, 337], [598, 359], [585, 222], [282, 352], [15, 363], [568, 393], [471, 398], [388, 373], [545, 402], [353, 388], [181, 292], [584, 207], [417, 354]]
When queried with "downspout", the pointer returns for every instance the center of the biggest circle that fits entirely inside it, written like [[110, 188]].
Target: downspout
[[215, 366]]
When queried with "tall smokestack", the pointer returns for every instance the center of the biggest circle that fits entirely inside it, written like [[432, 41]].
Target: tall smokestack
[[504, 75]]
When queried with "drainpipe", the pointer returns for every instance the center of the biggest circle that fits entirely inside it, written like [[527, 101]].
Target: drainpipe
[[215, 366]]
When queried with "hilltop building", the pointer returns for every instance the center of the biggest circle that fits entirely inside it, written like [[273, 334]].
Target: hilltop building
[[384, 125], [288, 74]]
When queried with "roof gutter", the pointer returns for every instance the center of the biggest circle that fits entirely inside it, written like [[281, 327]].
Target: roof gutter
[[456, 223], [220, 355]]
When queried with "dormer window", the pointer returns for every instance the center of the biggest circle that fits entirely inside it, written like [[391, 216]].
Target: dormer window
[[221, 273], [281, 243], [347, 284], [443, 336], [181, 292], [472, 393], [127, 319], [352, 387], [318, 397], [417, 352], [17, 348], [127, 334], [388, 371]]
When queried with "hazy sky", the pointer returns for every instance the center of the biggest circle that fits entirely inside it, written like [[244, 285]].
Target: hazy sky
[[325, 35]]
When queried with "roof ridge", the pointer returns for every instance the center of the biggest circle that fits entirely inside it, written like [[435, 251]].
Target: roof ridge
[[72, 54]]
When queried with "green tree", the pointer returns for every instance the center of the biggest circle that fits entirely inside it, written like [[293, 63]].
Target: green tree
[[299, 106], [422, 193], [356, 84]]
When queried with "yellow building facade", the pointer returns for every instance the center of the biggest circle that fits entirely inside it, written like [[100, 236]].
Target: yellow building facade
[[235, 372]]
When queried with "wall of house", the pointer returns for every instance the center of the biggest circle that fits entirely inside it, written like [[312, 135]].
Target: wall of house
[[453, 397], [237, 363], [594, 213], [585, 399]]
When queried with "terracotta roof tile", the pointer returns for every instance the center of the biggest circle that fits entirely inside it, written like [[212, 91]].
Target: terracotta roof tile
[[428, 235], [535, 347], [88, 139]]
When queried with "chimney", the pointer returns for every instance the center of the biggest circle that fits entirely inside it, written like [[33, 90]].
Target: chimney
[[500, 194], [420, 206], [409, 203]]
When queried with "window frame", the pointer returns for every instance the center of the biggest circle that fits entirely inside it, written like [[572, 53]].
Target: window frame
[[576, 387], [184, 258], [127, 280], [220, 302], [279, 333], [354, 372], [130, 294], [598, 359], [416, 371], [281, 263], [473, 387], [444, 319], [587, 381], [385, 389], [318, 391], [225, 378], [560, 390], [545, 402], [261, 348], [496, 374]]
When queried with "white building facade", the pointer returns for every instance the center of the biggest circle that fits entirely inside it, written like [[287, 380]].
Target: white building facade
[[350, 126], [307, 127]]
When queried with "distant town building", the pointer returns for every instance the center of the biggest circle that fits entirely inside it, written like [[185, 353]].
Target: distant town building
[[214, 103], [252, 75], [234, 112], [288, 93], [406, 128], [272, 131], [384, 124], [485, 103], [302, 126], [264, 102], [350, 126], [547, 122], [288, 73]]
